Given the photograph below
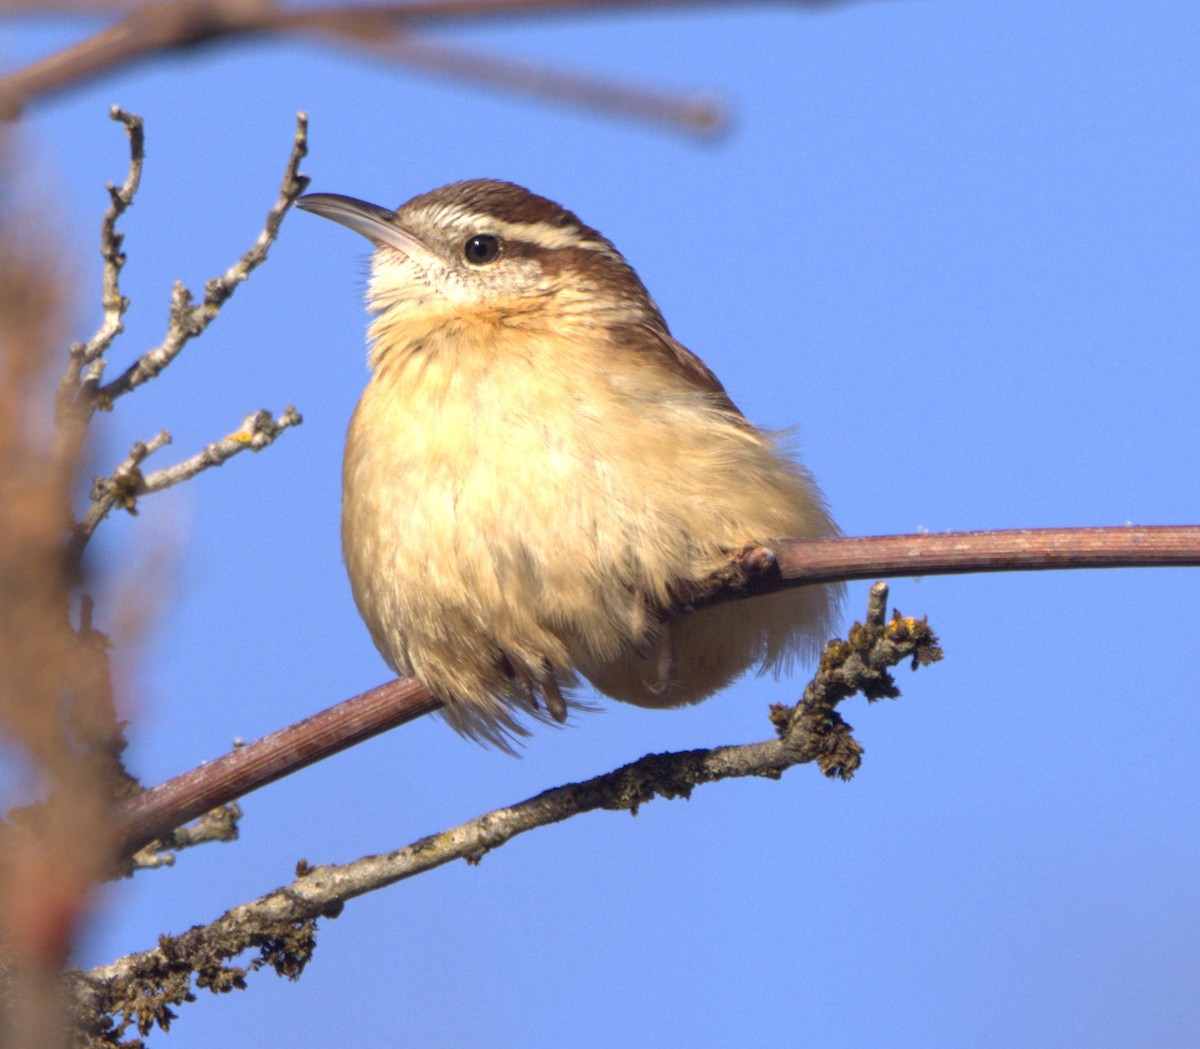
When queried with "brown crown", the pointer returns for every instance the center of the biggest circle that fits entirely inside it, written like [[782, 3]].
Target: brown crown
[[505, 200]]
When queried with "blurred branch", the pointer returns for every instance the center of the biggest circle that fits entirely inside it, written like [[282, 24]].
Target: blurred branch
[[698, 114], [142, 988], [57, 709], [791, 562], [57, 721], [157, 28]]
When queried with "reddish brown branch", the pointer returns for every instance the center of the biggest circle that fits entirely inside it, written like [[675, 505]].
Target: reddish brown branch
[[697, 113], [801, 561], [756, 571], [163, 26], [171, 804]]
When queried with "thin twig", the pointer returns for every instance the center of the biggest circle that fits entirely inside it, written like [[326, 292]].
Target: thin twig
[[126, 484], [119, 488], [90, 355], [141, 987], [258, 430], [220, 824], [79, 391], [188, 320]]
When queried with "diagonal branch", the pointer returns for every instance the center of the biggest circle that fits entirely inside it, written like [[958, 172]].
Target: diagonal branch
[[152, 814], [696, 113], [162, 26], [792, 562], [281, 925]]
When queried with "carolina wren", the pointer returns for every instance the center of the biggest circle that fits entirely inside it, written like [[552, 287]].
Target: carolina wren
[[537, 466]]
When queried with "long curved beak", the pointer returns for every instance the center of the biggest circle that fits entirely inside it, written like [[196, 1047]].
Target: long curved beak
[[377, 224]]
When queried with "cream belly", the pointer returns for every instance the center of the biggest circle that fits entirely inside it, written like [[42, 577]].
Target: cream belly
[[481, 574]]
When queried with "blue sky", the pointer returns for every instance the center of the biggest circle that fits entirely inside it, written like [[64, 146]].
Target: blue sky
[[954, 245]]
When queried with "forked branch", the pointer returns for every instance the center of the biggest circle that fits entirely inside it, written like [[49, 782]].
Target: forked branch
[[81, 390]]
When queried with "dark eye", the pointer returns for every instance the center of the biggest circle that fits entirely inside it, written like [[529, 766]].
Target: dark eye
[[482, 249]]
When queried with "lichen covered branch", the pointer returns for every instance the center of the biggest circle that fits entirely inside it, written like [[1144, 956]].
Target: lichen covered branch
[[142, 989]]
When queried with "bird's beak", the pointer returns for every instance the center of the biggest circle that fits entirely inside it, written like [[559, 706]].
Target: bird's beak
[[378, 225]]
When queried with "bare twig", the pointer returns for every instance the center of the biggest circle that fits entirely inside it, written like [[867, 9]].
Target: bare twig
[[90, 355], [258, 430], [80, 392], [142, 987], [122, 488], [188, 320], [220, 824], [755, 571]]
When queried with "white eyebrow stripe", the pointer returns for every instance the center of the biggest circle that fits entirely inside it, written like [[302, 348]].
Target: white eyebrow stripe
[[540, 233], [543, 234]]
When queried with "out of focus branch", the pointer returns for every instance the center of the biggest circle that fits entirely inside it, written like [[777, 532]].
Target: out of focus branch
[[697, 113], [158, 28], [57, 722], [58, 716]]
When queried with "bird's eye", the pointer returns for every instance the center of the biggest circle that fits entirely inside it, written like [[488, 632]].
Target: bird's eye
[[481, 249]]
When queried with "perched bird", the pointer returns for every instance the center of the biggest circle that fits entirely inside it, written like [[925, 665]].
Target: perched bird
[[537, 467]]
